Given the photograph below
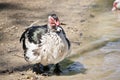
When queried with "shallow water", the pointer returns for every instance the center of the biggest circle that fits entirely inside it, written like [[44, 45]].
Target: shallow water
[[100, 48]]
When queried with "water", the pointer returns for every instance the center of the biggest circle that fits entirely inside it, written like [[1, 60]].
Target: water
[[100, 48]]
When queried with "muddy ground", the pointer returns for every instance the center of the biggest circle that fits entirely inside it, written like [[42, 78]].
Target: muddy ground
[[88, 25]]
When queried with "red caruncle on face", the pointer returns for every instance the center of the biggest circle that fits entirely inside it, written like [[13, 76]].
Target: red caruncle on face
[[53, 22]]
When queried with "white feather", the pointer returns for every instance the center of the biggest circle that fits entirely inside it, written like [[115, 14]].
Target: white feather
[[53, 49]]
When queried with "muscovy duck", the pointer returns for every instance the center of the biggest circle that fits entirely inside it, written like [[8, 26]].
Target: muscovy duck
[[116, 5], [46, 45]]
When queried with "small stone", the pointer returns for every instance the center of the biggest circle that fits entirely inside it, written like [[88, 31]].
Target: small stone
[[82, 20], [81, 34], [92, 16]]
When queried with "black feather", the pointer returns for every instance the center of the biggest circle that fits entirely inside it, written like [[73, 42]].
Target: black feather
[[22, 39], [36, 32], [33, 34]]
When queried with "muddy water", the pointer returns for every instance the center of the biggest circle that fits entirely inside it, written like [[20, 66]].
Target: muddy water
[[98, 57]]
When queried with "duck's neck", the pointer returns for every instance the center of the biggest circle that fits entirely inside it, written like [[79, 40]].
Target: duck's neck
[[51, 28]]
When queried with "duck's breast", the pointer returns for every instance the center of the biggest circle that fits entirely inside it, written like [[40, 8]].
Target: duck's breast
[[52, 49]]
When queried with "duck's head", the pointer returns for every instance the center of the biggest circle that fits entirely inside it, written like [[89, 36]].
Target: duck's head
[[53, 21]]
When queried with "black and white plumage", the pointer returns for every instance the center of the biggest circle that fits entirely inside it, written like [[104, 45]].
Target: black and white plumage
[[45, 44]]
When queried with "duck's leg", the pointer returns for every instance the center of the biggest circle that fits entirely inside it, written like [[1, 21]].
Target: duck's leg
[[57, 69], [43, 70], [52, 69], [47, 70], [38, 68]]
